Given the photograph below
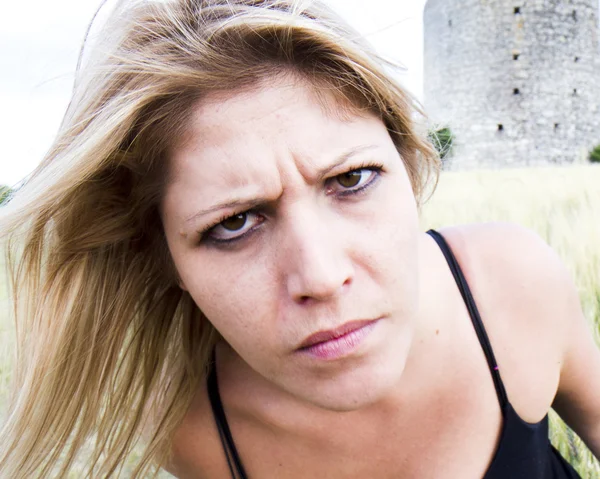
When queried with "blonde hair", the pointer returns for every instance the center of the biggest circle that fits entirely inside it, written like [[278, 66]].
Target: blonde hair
[[110, 349]]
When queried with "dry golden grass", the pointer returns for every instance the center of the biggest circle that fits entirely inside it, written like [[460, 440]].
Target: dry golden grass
[[561, 204]]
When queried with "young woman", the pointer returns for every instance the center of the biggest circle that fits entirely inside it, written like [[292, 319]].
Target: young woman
[[220, 259]]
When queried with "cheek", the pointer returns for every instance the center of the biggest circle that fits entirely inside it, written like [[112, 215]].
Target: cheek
[[393, 219], [231, 294], [392, 255]]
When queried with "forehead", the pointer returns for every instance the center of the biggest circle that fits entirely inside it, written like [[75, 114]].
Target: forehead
[[281, 108], [258, 140], [270, 106]]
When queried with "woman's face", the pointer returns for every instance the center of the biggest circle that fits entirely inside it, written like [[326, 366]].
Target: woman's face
[[294, 229]]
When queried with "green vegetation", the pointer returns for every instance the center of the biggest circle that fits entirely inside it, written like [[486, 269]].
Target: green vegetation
[[443, 141], [595, 155], [5, 193]]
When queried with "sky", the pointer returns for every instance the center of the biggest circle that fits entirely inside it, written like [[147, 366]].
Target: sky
[[40, 41]]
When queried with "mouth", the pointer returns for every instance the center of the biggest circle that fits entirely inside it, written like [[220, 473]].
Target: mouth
[[338, 342]]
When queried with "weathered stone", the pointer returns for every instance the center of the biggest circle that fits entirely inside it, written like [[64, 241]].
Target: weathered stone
[[515, 88]]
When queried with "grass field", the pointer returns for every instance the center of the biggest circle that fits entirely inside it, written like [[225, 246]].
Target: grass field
[[561, 204]]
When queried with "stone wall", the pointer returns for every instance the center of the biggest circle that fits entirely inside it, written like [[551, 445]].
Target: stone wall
[[518, 81]]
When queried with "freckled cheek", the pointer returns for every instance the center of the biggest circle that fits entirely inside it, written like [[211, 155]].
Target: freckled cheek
[[234, 298], [393, 222], [390, 246]]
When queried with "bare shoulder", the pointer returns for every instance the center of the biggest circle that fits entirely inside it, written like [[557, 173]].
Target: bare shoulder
[[507, 246], [542, 338], [525, 298], [197, 452], [516, 265]]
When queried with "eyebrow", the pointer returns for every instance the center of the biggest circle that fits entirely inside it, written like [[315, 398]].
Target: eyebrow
[[249, 203]]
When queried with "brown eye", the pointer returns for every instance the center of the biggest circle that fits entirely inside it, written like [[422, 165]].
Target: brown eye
[[234, 227], [350, 179], [235, 223]]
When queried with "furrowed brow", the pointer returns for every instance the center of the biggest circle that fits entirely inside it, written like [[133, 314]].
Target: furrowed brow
[[228, 204], [323, 172], [249, 203]]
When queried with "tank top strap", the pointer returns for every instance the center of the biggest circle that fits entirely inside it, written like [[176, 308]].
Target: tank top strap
[[231, 454], [465, 291]]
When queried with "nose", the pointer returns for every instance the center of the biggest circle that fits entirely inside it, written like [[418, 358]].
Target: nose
[[315, 258]]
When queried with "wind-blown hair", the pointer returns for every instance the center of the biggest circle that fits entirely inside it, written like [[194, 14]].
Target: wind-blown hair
[[110, 351]]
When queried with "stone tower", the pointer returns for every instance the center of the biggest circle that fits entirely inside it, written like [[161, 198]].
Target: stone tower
[[517, 81]]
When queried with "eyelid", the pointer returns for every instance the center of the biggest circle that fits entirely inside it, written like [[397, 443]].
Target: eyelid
[[367, 165], [202, 233], [374, 167]]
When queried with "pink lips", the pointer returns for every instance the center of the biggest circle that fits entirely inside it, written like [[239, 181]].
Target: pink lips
[[338, 342]]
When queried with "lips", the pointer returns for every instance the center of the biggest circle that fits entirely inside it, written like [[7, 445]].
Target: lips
[[328, 335]]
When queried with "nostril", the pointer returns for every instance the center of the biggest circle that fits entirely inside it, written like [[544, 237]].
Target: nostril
[[304, 299]]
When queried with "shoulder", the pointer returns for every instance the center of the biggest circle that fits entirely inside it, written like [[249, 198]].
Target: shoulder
[[509, 246], [519, 270], [532, 311], [514, 262], [196, 450], [526, 299]]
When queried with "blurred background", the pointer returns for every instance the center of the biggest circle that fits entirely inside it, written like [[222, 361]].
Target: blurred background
[[40, 41]]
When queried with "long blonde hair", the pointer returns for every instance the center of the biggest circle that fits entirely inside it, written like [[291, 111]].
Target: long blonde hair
[[110, 351]]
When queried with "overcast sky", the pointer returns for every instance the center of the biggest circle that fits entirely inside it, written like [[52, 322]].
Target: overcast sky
[[40, 40]]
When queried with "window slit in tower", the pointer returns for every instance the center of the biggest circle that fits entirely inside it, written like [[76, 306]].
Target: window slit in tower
[[575, 15], [516, 56], [516, 91], [556, 125], [517, 10], [576, 59], [574, 91], [500, 127]]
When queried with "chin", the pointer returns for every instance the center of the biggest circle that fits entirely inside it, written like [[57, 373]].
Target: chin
[[357, 396], [357, 388], [358, 381], [361, 400]]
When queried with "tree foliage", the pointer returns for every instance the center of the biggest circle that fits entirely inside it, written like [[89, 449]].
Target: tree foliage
[[5, 193], [443, 141], [595, 155]]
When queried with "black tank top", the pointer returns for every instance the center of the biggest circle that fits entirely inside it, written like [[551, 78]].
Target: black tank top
[[524, 450]]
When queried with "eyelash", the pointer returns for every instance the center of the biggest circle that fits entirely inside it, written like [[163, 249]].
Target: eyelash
[[373, 167], [376, 168]]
